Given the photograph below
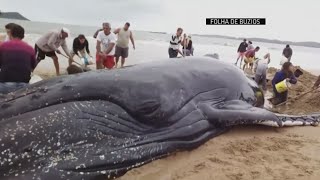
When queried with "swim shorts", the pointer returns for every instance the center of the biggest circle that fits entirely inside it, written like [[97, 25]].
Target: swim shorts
[[108, 61], [40, 55], [241, 54], [123, 52], [248, 60]]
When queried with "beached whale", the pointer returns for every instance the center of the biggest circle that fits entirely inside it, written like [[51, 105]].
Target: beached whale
[[100, 124]]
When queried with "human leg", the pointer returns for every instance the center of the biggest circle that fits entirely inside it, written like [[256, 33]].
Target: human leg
[[124, 55], [99, 62], [117, 54]]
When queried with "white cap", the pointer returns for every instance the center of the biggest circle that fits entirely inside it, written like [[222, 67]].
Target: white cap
[[66, 30]]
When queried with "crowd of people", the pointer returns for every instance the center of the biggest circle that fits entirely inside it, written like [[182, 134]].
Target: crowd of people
[[247, 53], [176, 41], [18, 59]]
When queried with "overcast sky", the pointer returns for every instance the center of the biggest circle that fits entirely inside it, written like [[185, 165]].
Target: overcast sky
[[295, 20]]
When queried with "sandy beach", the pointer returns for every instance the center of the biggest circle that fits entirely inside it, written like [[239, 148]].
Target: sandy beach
[[251, 152]]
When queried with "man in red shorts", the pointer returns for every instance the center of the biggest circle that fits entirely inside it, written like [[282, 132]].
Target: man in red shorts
[[105, 48]]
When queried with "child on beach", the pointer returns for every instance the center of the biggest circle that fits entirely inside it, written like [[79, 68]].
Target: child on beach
[[285, 73]]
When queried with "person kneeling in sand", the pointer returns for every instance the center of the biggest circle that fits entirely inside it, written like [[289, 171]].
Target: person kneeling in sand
[[286, 73], [49, 44], [17, 62], [260, 70]]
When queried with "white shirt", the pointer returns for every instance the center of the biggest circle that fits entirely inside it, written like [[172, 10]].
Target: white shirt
[[106, 40], [175, 42]]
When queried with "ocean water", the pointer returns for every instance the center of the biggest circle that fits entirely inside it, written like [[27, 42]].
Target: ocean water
[[152, 46]]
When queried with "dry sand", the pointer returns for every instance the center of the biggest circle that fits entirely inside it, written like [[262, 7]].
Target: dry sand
[[252, 152]]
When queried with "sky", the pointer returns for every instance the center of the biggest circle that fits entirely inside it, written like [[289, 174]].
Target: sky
[[292, 20]]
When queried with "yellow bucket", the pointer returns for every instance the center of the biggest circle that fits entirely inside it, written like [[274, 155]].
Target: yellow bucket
[[282, 86]]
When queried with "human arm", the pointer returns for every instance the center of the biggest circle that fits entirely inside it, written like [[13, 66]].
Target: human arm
[[290, 53], [65, 48], [87, 48], [293, 79], [75, 47], [116, 31], [239, 47], [96, 33], [132, 40], [277, 78], [33, 62], [183, 41]]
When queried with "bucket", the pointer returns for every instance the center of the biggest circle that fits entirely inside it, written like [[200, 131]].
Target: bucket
[[298, 73], [85, 60], [282, 86]]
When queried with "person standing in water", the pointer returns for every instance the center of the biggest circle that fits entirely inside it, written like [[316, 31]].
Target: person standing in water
[[122, 46], [287, 52], [175, 42], [241, 51], [48, 45]]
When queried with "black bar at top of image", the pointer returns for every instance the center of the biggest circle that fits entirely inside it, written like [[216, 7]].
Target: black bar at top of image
[[235, 21]]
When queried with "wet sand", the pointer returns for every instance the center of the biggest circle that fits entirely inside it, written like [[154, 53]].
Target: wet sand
[[251, 152]]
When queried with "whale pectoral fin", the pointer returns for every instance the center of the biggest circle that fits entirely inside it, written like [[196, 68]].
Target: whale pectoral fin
[[238, 112]]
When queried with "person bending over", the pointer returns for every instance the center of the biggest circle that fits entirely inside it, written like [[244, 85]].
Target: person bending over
[[285, 73], [261, 68], [250, 56], [17, 62], [49, 44], [80, 45]]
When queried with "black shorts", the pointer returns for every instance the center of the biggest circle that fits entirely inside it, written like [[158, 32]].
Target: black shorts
[[40, 55], [172, 53], [123, 52]]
